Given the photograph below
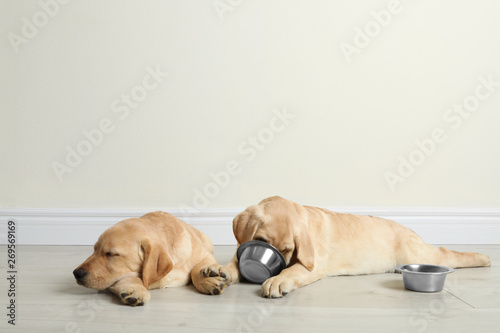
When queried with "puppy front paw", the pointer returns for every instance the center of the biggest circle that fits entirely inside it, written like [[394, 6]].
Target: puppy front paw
[[134, 296], [213, 279], [277, 287]]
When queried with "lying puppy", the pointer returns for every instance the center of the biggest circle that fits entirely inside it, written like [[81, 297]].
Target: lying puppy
[[154, 251], [316, 242]]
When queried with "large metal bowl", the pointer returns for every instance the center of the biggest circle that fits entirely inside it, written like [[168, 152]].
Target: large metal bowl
[[424, 278], [258, 261]]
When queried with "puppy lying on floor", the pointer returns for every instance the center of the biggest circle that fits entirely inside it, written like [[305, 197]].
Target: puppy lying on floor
[[316, 242], [152, 252]]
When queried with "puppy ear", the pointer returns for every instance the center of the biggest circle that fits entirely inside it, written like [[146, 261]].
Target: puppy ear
[[156, 263], [305, 250], [245, 225]]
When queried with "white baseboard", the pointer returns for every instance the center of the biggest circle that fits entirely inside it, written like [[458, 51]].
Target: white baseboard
[[83, 226]]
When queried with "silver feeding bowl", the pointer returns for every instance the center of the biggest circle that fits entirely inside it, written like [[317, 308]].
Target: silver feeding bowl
[[424, 278], [258, 261]]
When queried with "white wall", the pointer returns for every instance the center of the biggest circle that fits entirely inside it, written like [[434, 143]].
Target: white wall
[[232, 66]]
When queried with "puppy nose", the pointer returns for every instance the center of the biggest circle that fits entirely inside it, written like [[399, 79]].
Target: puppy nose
[[79, 273]]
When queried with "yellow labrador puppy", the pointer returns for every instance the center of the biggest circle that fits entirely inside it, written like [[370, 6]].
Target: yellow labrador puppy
[[316, 242], [154, 251]]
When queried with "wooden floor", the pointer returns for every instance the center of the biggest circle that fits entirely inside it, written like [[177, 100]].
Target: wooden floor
[[48, 300]]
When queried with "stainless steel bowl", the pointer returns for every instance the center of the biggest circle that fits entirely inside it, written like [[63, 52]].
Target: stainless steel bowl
[[424, 278], [258, 261]]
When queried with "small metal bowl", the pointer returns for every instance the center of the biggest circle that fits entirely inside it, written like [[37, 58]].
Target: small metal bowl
[[258, 261], [424, 278]]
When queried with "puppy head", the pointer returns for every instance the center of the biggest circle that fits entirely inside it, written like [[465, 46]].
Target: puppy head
[[124, 250], [280, 223]]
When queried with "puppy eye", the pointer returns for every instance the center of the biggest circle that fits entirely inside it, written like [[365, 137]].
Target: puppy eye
[[260, 239], [111, 254]]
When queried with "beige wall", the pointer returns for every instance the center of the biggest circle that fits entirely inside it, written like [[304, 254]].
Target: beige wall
[[322, 102]]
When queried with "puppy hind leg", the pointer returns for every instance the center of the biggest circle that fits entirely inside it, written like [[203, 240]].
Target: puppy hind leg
[[417, 252], [462, 259], [413, 249]]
